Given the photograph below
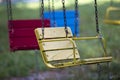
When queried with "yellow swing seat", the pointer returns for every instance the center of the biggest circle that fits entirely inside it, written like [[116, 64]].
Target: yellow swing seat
[[59, 51], [107, 16]]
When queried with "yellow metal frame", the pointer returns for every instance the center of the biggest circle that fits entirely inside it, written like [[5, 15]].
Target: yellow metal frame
[[75, 61], [90, 38], [110, 21], [52, 40]]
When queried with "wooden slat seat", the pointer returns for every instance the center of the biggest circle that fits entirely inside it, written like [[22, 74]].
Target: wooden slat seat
[[58, 51], [55, 45]]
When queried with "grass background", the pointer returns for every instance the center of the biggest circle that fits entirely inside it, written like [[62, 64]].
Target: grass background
[[21, 63]]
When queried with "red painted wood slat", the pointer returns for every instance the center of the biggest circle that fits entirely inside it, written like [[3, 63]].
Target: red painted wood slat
[[21, 33]]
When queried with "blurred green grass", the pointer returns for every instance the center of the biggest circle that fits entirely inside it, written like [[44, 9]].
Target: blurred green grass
[[21, 63]]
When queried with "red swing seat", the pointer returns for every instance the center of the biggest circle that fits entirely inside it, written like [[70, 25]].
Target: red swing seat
[[21, 33]]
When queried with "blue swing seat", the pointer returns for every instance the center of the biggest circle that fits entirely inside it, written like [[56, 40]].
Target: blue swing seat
[[59, 20]]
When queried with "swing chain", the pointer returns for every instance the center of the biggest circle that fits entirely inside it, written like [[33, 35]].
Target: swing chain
[[97, 27], [65, 21], [96, 17], [42, 15], [9, 9], [76, 16]]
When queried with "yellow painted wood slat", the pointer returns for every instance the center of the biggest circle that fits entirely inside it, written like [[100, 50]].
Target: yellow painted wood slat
[[61, 55], [57, 45], [58, 32]]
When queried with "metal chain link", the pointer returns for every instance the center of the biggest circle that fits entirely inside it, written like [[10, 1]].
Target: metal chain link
[[96, 17], [97, 30], [9, 9], [97, 27], [7, 3], [100, 35], [76, 16], [42, 15], [64, 14]]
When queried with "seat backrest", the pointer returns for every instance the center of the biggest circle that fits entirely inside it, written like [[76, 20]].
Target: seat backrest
[[55, 46], [54, 32], [21, 33]]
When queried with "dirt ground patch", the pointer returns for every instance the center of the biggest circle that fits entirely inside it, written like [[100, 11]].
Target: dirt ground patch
[[73, 73]]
